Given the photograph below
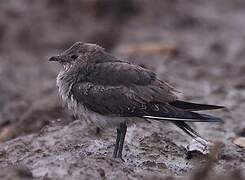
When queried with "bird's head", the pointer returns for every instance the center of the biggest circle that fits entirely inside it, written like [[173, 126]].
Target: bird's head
[[79, 51]]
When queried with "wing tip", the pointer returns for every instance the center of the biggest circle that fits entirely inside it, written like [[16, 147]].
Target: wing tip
[[195, 106], [217, 107], [211, 118]]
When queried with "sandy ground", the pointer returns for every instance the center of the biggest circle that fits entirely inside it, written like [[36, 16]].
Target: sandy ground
[[197, 46]]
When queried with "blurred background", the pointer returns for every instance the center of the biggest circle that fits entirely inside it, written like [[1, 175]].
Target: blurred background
[[197, 46]]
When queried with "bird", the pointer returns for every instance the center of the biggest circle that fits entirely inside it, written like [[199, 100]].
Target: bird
[[109, 92]]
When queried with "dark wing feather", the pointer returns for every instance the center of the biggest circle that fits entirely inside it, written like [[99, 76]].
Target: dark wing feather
[[108, 100], [193, 106], [137, 79], [119, 73], [164, 111], [123, 89], [120, 88]]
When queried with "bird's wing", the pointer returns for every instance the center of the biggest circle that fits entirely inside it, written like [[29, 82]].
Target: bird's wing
[[189, 106], [142, 81], [125, 101], [119, 73], [108, 100], [120, 88]]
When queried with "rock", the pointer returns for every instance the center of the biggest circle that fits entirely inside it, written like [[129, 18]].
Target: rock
[[240, 141]]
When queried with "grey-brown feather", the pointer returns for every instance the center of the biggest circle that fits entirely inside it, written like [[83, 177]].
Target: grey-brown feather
[[106, 90], [116, 88], [98, 84]]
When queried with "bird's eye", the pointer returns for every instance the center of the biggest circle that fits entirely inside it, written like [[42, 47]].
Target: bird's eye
[[74, 56]]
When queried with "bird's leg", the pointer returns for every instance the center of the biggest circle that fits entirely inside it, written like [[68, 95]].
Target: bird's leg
[[123, 128], [117, 143]]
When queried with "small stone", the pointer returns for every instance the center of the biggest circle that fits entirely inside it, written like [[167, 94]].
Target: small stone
[[200, 145], [149, 163], [240, 141], [196, 148], [162, 166]]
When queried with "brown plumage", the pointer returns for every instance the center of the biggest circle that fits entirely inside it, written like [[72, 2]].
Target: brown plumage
[[109, 92]]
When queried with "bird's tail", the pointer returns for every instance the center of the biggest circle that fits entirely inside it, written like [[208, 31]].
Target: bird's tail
[[192, 133], [167, 112]]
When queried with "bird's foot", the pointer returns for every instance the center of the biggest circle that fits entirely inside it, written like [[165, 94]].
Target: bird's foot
[[121, 159], [118, 157]]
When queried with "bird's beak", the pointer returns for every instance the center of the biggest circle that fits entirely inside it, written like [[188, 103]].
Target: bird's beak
[[55, 58]]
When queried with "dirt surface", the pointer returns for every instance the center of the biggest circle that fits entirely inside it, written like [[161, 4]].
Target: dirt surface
[[198, 46]]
